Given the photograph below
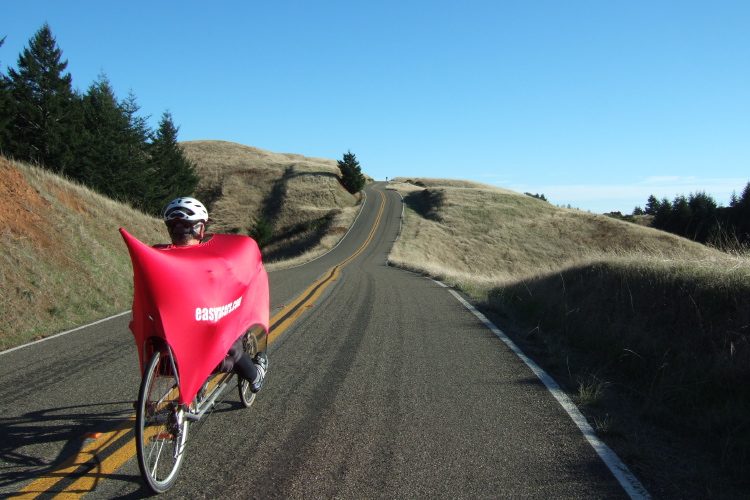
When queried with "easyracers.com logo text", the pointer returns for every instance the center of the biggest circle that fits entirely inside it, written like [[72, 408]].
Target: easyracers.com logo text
[[216, 313]]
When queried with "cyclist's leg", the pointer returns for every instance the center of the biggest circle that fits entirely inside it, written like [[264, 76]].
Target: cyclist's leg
[[251, 369], [250, 348], [240, 362], [246, 368]]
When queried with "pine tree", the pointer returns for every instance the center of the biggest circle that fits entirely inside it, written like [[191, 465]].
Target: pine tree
[[734, 199], [171, 174], [44, 107], [662, 214], [351, 173], [652, 205], [741, 215], [703, 222], [112, 155], [135, 146], [680, 216], [5, 110], [700, 218]]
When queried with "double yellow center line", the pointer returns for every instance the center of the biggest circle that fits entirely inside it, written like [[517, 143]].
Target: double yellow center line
[[84, 471], [289, 315]]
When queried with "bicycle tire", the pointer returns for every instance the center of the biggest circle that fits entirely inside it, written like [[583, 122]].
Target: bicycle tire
[[247, 397], [160, 435]]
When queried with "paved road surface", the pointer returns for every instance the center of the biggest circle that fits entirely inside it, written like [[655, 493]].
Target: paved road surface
[[388, 387]]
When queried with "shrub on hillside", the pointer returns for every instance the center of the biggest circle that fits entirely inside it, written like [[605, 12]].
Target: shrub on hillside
[[538, 196], [261, 231]]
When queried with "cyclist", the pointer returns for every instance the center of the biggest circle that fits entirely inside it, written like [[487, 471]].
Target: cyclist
[[186, 220]]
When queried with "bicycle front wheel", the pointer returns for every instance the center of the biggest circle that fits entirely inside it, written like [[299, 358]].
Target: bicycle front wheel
[[160, 427]]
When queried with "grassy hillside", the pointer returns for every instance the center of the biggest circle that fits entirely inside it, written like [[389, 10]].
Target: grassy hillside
[[648, 330], [63, 262], [301, 196]]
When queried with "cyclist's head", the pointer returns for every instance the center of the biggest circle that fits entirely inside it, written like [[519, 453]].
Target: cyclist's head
[[186, 220]]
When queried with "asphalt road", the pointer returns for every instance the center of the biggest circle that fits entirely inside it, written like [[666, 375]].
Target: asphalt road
[[387, 387]]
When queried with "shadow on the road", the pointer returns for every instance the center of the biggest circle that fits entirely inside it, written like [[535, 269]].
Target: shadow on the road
[[28, 441]]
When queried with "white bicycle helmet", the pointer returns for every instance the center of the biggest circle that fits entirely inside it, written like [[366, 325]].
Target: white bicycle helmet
[[186, 208]]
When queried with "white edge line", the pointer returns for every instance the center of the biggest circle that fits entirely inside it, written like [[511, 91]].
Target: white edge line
[[401, 220], [337, 244], [64, 333], [400, 224], [624, 476]]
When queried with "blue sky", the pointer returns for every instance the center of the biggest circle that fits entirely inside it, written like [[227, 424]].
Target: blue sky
[[596, 104]]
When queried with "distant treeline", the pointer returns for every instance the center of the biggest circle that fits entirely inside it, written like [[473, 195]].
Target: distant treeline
[[700, 218], [538, 196], [90, 137]]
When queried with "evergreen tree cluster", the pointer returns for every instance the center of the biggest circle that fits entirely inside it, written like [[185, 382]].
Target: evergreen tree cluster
[[92, 137], [699, 218]]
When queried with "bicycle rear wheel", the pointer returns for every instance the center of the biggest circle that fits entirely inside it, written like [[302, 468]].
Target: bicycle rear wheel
[[250, 345], [160, 427]]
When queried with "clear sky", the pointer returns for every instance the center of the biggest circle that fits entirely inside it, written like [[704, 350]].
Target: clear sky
[[597, 104]]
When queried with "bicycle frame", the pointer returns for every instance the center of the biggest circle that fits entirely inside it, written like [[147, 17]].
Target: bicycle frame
[[162, 421], [202, 405]]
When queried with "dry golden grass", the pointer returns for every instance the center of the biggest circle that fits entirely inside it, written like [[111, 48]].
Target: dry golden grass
[[336, 230], [664, 320], [293, 191], [63, 261], [221, 157], [483, 236]]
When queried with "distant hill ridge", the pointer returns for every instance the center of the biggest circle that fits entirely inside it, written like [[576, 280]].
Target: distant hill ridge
[[300, 196], [212, 155]]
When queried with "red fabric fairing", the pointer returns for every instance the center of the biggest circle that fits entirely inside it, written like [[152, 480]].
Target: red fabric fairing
[[201, 298]]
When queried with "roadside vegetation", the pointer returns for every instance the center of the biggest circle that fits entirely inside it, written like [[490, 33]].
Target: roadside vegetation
[[295, 204], [700, 218], [648, 331], [63, 262], [92, 137]]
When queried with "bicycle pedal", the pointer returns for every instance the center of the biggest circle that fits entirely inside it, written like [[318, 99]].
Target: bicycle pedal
[[162, 436]]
